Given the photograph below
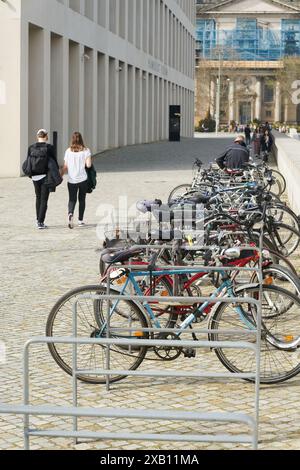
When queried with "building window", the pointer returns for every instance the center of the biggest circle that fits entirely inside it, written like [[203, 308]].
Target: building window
[[205, 37], [246, 24], [268, 114], [268, 93], [290, 32]]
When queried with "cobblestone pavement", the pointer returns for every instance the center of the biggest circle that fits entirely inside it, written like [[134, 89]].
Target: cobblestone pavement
[[38, 267]]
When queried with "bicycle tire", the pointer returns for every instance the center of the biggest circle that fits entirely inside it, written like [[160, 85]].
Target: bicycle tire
[[281, 179], [62, 354], [271, 356], [280, 244], [183, 187]]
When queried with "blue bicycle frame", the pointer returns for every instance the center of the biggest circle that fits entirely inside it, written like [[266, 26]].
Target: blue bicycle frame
[[225, 286]]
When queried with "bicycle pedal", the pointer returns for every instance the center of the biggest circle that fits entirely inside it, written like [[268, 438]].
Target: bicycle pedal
[[189, 352]]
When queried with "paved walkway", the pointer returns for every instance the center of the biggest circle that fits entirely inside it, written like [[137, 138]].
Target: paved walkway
[[38, 267]]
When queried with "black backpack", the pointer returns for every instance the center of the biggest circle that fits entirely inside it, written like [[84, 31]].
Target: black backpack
[[38, 160]]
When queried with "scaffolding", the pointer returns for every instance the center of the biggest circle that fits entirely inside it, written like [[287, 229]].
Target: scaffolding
[[250, 40]]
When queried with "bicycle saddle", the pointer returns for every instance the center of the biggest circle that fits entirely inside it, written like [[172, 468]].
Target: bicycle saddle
[[234, 172], [197, 198], [111, 255]]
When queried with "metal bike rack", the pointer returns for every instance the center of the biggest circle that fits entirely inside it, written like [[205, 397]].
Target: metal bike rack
[[76, 412]]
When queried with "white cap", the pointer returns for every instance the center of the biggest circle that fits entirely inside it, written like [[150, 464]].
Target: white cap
[[41, 132]]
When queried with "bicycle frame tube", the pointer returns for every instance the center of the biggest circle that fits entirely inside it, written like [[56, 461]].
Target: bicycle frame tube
[[225, 286]]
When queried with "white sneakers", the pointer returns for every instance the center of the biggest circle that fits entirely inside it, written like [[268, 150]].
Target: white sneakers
[[71, 222]]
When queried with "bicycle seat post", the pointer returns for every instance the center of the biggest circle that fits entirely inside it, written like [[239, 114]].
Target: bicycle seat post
[[176, 251]]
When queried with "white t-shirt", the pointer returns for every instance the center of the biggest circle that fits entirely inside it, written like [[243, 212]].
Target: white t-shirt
[[75, 162]]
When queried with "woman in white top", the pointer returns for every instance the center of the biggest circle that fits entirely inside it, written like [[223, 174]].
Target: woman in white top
[[77, 158]]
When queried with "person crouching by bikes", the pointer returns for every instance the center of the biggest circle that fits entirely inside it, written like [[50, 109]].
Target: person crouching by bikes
[[234, 156], [42, 167], [77, 159]]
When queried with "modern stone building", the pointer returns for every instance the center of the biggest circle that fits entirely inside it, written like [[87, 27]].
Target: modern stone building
[[246, 43], [108, 68]]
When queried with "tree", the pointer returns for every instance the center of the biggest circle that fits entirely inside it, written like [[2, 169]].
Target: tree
[[286, 75]]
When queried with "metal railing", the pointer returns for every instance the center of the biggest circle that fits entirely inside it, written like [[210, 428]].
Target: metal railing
[[76, 412]]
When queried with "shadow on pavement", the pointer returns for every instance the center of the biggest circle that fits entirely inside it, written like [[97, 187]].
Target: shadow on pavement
[[160, 156]]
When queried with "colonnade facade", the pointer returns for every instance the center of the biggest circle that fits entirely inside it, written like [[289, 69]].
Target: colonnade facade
[[245, 95]]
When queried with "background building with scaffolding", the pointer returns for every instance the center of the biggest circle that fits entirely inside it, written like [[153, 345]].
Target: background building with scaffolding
[[249, 43]]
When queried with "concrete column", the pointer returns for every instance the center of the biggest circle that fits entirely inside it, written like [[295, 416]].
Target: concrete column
[[131, 105], [145, 108], [152, 39], [47, 80], [157, 113], [103, 102], [286, 110], [95, 11], [145, 10], [65, 94], [123, 101], [212, 97], [82, 7], [162, 109], [151, 95], [167, 37], [90, 101], [162, 32], [252, 104], [113, 102], [19, 65], [81, 87], [258, 99], [138, 105], [277, 113], [95, 102], [231, 100], [103, 13]]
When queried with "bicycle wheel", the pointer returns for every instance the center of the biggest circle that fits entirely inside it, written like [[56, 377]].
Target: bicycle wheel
[[285, 238], [283, 214], [280, 277], [179, 191], [280, 320], [91, 319], [281, 179]]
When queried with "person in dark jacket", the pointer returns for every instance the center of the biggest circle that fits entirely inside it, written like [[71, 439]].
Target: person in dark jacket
[[266, 143], [39, 156], [234, 156], [248, 134]]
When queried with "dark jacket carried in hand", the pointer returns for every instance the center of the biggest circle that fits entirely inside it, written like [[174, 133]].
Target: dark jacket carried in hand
[[92, 179], [54, 178], [234, 157]]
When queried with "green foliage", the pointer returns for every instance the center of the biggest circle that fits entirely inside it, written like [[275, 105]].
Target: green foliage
[[208, 124]]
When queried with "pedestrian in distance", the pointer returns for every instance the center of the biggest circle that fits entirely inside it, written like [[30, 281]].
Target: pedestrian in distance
[[248, 134], [42, 167], [266, 144], [256, 138], [77, 159], [235, 156]]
